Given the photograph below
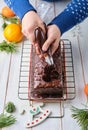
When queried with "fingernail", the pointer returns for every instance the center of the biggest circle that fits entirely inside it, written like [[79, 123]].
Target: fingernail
[[44, 49]]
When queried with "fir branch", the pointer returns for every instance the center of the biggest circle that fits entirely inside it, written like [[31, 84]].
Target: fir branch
[[6, 120], [4, 25], [81, 115], [14, 19], [8, 47], [10, 107]]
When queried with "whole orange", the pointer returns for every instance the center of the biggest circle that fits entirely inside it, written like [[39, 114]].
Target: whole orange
[[13, 33], [86, 89], [7, 12]]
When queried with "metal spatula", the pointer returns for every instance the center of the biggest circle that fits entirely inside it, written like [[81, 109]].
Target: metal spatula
[[40, 39]]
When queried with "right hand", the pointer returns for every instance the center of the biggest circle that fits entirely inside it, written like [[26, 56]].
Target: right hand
[[30, 21], [53, 38]]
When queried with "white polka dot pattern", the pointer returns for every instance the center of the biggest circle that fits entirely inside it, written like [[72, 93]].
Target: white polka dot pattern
[[79, 8], [20, 7], [9, 3], [75, 12]]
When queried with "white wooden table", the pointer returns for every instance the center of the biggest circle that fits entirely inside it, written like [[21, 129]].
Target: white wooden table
[[10, 70]]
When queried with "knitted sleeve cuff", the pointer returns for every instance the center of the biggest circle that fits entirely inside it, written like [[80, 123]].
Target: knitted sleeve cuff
[[64, 21], [20, 7]]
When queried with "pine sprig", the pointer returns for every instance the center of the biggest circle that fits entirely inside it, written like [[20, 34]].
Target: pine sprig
[[14, 19], [6, 120], [8, 47], [10, 107], [81, 115]]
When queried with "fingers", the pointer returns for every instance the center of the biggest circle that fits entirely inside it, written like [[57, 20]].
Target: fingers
[[43, 27], [53, 38], [30, 21], [30, 34], [47, 44], [38, 51], [37, 48], [54, 46], [52, 43]]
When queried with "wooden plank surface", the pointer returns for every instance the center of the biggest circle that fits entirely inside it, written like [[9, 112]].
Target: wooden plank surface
[[10, 70], [4, 67]]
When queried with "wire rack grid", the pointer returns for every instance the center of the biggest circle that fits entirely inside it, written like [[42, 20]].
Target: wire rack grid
[[68, 71]]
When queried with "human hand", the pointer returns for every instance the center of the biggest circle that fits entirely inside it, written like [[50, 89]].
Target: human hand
[[30, 21], [53, 38]]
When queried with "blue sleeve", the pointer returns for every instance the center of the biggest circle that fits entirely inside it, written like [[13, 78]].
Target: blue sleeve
[[20, 7], [75, 12]]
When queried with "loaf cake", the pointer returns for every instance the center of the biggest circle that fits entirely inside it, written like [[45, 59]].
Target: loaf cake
[[47, 79]]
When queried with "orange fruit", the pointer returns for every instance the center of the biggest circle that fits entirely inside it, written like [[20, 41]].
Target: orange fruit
[[86, 89], [7, 12], [13, 33]]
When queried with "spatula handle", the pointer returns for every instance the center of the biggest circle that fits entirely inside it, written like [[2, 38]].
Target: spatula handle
[[40, 38]]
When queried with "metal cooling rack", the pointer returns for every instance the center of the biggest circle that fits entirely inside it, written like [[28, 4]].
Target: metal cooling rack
[[68, 71], [24, 71]]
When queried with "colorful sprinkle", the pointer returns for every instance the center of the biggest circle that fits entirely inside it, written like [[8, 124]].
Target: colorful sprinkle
[[47, 111], [40, 117], [32, 122], [34, 109], [36, 120], [28, 124]]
